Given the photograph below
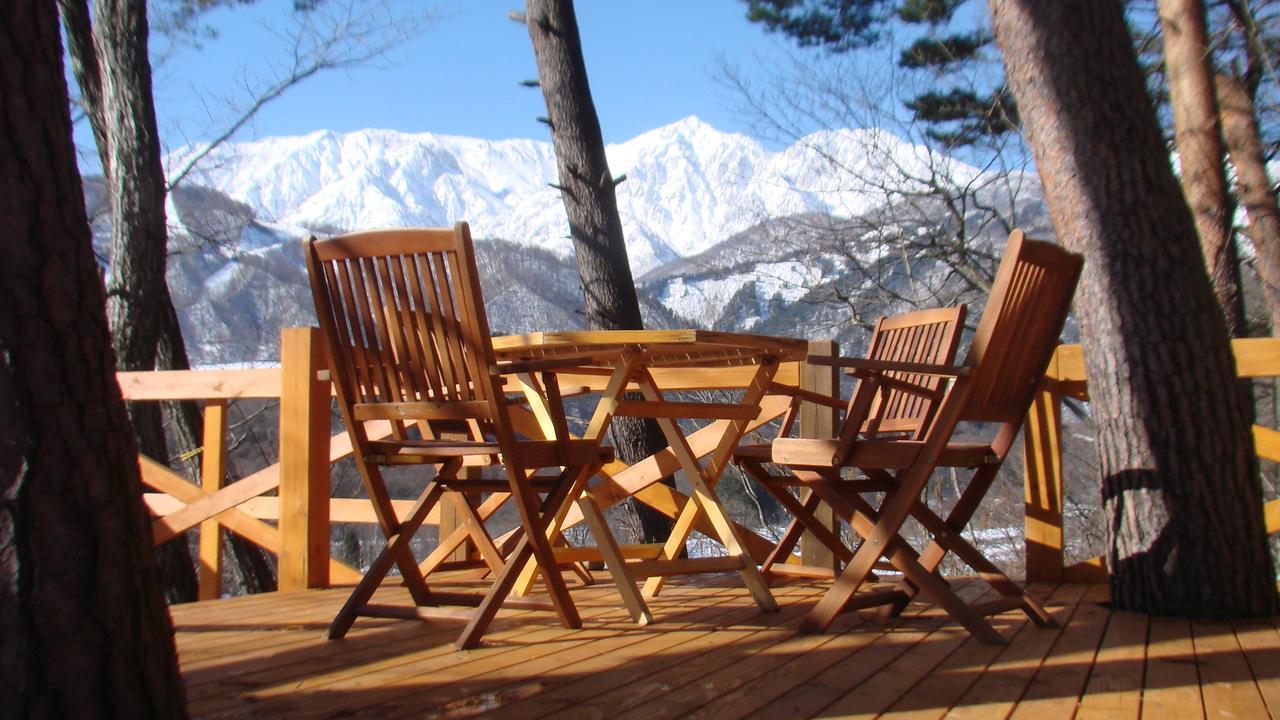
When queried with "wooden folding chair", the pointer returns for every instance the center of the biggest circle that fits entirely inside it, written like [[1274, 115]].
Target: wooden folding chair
[[408, 342], [995, 384], [923, 336]]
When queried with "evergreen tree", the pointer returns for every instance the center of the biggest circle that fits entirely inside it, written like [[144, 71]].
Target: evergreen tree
[[958, 112]]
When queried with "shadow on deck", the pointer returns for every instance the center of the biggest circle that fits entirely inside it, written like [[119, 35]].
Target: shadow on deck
[[712, 654]]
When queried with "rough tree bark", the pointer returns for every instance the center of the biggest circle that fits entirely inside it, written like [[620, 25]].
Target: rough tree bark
[[1201, 155], [86, 632], [588, 190], [1244, 144], [1180, 481]]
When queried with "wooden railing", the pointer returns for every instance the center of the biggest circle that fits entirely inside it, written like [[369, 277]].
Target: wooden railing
[[295, 492], [300, 505], [1043, 476]]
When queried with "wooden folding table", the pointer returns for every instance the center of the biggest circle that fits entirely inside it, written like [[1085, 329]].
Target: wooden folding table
[[650, 362]]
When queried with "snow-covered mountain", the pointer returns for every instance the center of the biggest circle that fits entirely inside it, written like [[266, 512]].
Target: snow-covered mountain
[[699, 210], [688, 186]]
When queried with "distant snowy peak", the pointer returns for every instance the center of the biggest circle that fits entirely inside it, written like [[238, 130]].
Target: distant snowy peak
[[689, 186]]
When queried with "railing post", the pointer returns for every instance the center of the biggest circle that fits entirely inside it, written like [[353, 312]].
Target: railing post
[[304, 462], [1042, 480], [818, 422], [213, 468]]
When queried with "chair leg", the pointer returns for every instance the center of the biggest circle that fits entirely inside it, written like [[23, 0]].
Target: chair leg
[[790, 538], [497, 593], [948, 538], [803, 514], [536, 527], [966, 505], [531, 533], [529, 573], [397, 544], [795, 530], [865, 521], [870, 525]]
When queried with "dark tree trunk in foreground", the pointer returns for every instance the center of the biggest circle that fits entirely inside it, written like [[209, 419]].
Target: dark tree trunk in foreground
[[1201, 154], [84, 626], [1180, 481], [1244, 143], [588, 189]]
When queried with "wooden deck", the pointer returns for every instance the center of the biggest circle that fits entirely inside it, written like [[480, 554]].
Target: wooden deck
[[712, 654]]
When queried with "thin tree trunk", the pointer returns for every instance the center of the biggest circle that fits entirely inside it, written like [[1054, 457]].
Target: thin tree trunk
[[78, 27], [84, 626], [588, 190], [1201, 154], [1244, 144], [1180, 482], [135, 283]]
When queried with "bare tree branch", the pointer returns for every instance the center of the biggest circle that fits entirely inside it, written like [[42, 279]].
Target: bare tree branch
[[331, 37]]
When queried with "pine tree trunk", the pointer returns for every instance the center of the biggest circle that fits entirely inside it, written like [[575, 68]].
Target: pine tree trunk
[[588, 189], [1244, 144], [1201, 155], [135, 284], [1180, 482], [84, 626], [109, 59]]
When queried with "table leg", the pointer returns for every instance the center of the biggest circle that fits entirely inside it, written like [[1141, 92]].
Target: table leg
[[703, 498]]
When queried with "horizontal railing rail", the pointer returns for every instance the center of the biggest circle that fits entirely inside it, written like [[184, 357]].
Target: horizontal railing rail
[[1043, 474]]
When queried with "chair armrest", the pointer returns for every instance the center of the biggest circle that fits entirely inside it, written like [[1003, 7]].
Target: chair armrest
[[862, 366], [806, 395], [887, 382]]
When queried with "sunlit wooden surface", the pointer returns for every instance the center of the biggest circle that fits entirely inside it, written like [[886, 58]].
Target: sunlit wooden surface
[[711, 653]]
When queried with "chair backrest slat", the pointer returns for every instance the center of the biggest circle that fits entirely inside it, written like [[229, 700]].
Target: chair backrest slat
[[1020, 327], [924, 336], [453, 331], [398, 310]]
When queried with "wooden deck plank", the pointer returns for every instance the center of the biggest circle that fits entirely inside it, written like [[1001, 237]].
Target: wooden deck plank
[[353, 678], [937, 689], [292, 624], [997, 688], [812, 696], [1172, 685], [1115, 683], [642, 664], [672, 675], [1055, 690], [712, 654], [291, 656], [591, 660], [1226, 682], [797, 669], [748, 667], [1260, 641]]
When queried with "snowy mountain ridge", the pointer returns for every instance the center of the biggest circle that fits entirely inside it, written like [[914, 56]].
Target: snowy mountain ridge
[[688, 186]]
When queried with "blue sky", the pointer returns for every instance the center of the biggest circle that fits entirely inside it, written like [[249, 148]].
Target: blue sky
[[650, 63]]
